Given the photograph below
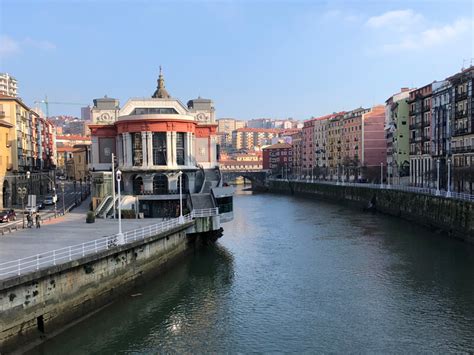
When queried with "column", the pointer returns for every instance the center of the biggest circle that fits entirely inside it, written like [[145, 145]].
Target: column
[[173, 149], [95, 150], [120, 149], [168, 149], [128, 149], [193, 150], [144, 150], [188, 149], [150, 148]]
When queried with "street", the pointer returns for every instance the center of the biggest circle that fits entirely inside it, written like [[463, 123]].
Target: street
[[71, 195]]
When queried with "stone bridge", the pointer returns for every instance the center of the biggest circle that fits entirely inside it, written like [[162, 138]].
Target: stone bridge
[[257, 177]]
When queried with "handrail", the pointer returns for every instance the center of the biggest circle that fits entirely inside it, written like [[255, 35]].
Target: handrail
[[36, 262], [419, 190]]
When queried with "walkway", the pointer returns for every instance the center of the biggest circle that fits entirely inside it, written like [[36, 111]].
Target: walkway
[[419, 190], [70, 229]]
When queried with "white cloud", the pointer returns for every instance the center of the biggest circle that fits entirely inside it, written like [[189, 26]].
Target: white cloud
[[431, 37], [8, 46], [400, 20]]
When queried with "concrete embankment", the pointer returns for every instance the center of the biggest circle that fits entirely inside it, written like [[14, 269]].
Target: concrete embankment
[[454, 217], [35, 305]]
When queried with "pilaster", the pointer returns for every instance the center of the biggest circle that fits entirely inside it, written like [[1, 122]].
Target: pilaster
[[144, 150], [169, 162], [150, 148]]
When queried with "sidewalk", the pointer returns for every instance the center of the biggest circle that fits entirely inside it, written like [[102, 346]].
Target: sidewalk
[[67, 230]]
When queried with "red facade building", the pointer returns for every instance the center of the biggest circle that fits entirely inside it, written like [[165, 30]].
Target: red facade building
[[278, 157]]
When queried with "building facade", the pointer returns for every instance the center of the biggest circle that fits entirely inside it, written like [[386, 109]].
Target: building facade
[[8, 85], [252, 138], [462, 128], [160, 145], [278, 158], [30, 142], [421, 162], [397, 135]]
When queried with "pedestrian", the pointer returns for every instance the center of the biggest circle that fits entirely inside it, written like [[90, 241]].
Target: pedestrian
[[38, 220], [29, 219]]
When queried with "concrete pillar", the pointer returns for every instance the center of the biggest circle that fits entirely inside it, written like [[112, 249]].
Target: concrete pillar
[[193, 149], [129, 149], [150, 148], [169, 162], [144, 150], [187, 155], [173, 149], [95, 149], [120, 149]]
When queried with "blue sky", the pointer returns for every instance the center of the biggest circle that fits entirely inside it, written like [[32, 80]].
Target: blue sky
[[253, 58]]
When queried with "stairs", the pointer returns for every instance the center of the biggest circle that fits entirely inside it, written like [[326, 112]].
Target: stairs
[[202, 201]]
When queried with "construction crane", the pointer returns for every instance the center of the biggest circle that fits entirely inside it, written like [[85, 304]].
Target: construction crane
[[46, 103]]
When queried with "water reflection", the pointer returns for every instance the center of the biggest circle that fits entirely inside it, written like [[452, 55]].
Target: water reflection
[[298, 275], [181, 304]]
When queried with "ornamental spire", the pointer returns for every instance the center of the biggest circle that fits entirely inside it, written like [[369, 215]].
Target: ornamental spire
[[160, 92]]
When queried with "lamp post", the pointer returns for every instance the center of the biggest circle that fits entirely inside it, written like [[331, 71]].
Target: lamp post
[[120, 234], [181, 218], [381, 174], [448, 191], [437, 177], [62, 189], [22, 193]]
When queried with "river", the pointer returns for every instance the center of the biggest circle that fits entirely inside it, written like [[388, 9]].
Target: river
[[296, 275]]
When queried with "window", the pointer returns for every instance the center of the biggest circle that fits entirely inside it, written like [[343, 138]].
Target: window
[[180, 148], [137, 151], [159, 148]]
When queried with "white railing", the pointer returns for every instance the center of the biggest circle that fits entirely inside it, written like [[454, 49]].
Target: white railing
[[57, 256], [205, 212], [418, 190]]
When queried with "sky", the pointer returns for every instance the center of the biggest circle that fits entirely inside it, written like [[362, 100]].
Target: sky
[[254, 59]]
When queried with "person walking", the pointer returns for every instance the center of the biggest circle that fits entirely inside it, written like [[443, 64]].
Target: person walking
[[38, 220], [29, 219]]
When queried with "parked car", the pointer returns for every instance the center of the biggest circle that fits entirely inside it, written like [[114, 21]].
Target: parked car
[[40, 205], [7, 216], [50, 200]]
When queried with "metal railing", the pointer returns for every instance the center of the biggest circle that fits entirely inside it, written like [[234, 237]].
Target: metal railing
[[36, 262], [413, 189], [205, 212]]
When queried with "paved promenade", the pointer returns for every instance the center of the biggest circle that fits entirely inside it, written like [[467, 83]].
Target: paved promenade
[[61, 232]]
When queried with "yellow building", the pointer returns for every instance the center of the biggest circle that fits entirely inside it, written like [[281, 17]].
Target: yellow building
[[5, 156], [26, 145]]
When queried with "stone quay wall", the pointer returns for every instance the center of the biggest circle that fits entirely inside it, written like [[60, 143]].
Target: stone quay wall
[[34, 306], [451, 216]]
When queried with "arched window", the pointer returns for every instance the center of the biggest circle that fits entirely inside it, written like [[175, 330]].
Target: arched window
[[160, 184]]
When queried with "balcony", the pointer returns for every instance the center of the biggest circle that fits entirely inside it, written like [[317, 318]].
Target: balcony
[[416, 125], [461, 96], [460, 114], [463, 149], [461, 131]]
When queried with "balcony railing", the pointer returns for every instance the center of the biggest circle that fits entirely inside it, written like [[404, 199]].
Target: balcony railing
[[461, 96], [460, 114], [463, 149]]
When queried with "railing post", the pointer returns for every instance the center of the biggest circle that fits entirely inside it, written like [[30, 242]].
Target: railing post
[[95, 245], [70, 257], [106, 242], [37, 261], [19, 267], [83, 250], [54, 257], [135, 235]]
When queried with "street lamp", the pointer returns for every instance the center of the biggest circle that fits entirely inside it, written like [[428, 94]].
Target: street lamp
[[181, 218], [437, 177], [64, 206], [120, 234], [22, 194], [448, 191]]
